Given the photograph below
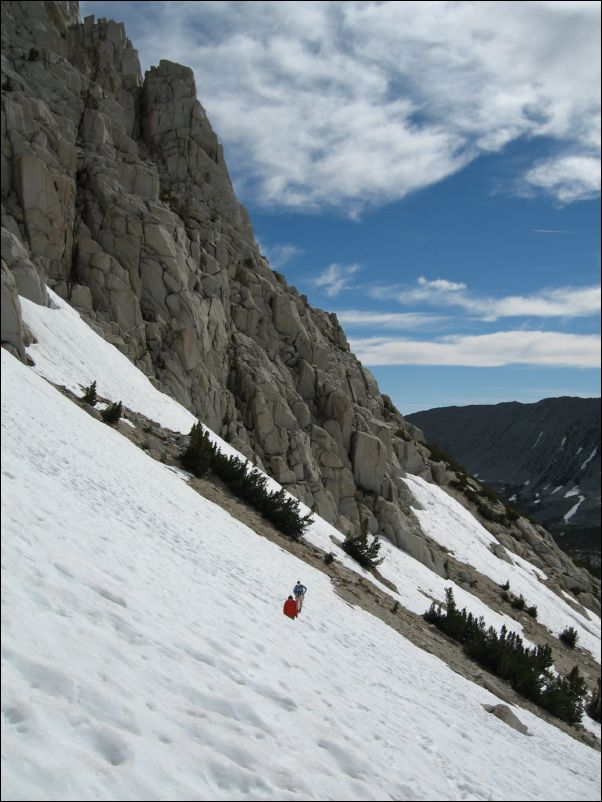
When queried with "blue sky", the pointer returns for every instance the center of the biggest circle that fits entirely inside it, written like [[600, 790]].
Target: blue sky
[[429, 171]]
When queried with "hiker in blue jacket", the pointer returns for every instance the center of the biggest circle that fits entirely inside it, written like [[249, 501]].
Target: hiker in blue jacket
[[299, 592]]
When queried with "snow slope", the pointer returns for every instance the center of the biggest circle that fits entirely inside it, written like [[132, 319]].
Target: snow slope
[[145, 654]]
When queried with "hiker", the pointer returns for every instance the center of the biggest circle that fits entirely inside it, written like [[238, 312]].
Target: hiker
[[290, 608], [299, 591]]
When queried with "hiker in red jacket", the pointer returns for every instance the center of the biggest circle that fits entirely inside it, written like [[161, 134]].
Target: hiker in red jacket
[[290, 608]]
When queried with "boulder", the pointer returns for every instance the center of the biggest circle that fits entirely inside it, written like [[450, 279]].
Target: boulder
[[506, 715]]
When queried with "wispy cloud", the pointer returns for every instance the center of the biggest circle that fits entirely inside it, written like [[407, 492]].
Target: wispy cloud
[[551, 231], [567, 178], [568, 302], [388, 320], [485, 350], [335, 278], [352, 104], [279, 255], [436, 291]]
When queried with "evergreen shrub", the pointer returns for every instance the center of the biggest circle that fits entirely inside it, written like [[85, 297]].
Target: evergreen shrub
[[593, 706], [490, 514], [439, 455], [518, 602], [197, 456], [487, 492], [569, 637], [363, 552], [250, 485], [89, 395], [512, 513], [504, 654], [112, 413]]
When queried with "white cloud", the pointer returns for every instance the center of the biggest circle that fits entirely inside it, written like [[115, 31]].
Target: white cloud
[[335, 278], [562, 302], [568, 302], [389, 320], [356, 103], [485, 350], [279, 255], [438, 291], [568, 178], [441, 284]]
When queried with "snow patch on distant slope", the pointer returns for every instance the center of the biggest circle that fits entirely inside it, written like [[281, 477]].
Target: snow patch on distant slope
[[589, 459], [573, 509]]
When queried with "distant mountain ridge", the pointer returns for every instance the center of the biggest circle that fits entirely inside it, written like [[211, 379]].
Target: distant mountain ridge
[[544, 457]]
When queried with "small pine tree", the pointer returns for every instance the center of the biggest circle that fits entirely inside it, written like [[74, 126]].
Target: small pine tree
[[112, 413], [563, 696], [569, 637], [89, 395], [329, 558], [372, 553], [357, 546], [506, 585], [198, 455], [518, 602], [532, 611], [593, 706]]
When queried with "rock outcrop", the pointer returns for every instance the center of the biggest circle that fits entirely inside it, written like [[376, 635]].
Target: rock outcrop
[[115, 193]]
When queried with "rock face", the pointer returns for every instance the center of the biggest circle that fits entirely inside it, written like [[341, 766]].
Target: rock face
[[544, 457], [116, 195]]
